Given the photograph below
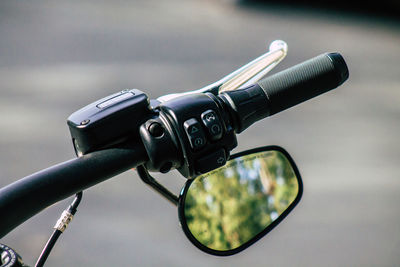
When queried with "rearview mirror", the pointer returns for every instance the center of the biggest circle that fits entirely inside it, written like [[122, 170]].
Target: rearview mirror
[[228, 209]]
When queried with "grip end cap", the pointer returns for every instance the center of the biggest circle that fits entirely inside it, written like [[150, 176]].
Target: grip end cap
[[341, 67]]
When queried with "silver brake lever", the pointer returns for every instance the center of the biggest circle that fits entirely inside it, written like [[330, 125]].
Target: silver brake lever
[[244, 76]]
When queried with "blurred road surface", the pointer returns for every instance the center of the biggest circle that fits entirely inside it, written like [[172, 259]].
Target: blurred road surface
[[57, 57]]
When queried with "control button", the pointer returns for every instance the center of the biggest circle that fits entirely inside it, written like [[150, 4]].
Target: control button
[[155, 129], [195, 134], [211, 161], [213, 124]]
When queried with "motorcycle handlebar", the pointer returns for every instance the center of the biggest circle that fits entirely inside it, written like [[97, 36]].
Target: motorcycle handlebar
[[24, 198], [28, 196]]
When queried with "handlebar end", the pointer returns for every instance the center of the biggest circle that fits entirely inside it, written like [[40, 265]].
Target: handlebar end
[[340, 66]]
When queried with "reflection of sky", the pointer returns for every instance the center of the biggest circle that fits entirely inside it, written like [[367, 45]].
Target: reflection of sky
[[209, 201], [229, 172], [242, 173], [271, 200], [249, 173], [256, 164], [252, 174], [207, 185], [274, 215]]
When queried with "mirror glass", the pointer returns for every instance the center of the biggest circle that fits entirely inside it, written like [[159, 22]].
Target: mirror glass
[[228, 209]]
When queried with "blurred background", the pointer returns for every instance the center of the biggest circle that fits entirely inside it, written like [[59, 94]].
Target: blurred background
[[57, 57]]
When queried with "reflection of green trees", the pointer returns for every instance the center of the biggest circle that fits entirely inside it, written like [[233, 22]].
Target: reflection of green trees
[[232, 204]]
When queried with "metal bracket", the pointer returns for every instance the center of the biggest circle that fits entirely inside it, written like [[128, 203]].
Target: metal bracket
[[159, 188]]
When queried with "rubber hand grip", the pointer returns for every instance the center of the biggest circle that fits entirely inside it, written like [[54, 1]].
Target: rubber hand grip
[[304, 81]]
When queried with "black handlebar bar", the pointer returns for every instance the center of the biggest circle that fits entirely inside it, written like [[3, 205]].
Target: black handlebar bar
[[26, 197]]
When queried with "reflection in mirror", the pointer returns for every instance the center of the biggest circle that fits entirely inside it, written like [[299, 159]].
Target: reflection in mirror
[[230, 206]]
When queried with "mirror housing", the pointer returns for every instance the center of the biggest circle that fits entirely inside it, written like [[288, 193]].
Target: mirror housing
[[228, 209]]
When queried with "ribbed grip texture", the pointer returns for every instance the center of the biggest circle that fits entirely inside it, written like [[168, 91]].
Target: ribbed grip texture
[[304, 81]]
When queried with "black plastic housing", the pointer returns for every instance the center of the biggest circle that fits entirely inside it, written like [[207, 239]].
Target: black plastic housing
[[179, 110], [109, 121], [162, 148]]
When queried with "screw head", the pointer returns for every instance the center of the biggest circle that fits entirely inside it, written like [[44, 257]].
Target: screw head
[[84, 122]]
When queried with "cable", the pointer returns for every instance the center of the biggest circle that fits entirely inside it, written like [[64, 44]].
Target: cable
[[61, 225]]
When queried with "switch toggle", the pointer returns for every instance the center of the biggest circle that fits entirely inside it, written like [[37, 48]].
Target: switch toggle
[[213, 124], [195, 134]]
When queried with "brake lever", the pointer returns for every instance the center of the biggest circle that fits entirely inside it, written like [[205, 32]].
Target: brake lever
[[244, 76]]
